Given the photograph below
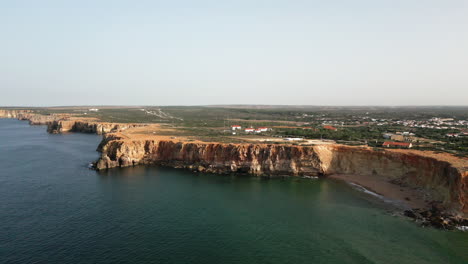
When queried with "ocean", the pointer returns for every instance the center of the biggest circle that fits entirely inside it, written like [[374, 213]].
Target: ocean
[[54, 209]]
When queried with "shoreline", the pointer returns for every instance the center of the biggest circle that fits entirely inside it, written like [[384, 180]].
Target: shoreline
[[407, 202], [406, 197], [411, 197]]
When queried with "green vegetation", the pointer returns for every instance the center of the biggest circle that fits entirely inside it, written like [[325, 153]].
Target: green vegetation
[[356, 125], [347, 134]]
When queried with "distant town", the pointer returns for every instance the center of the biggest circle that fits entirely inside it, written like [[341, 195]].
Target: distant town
[[438, 133]]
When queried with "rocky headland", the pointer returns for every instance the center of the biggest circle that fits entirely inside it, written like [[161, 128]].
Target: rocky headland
[[441, 177], [435, 182], [63, 123]]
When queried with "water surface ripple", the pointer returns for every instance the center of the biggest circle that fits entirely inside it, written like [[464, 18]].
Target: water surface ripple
[[55, 210]]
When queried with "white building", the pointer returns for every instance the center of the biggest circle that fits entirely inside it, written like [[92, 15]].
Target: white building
[[293, 139]]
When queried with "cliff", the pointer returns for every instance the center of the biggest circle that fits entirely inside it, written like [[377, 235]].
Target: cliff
[[63, 123], [86, 126], [12, 113], [441, 177], [33, 118], [442, 180]]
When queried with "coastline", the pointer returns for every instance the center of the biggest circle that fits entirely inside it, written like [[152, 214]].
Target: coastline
[[121, 149], [406, 197]]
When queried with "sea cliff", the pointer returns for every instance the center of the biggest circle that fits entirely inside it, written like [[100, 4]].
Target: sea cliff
[[33, 118], [100, 128], [63, 123], [438, 178]]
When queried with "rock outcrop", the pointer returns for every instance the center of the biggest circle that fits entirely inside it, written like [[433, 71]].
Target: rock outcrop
[[439, 178], [33, 118], [63, 123], [444, 181], [96, 127], [13, 113]]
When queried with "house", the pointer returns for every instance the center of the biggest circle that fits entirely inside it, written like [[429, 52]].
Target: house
[[388, 144], [248, 130], [263, 129], [93, 110], [258, 130], [330, 128], [452, 135], [236, 127]]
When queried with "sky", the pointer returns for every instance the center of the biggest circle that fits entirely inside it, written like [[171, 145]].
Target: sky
[[360, 52]]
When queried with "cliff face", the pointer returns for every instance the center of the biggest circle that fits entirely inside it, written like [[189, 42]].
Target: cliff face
[[33, 118], [62, 123], [8, 113], [11, 113], [63, 126], [18, 114], [217, 158], [440, 179]]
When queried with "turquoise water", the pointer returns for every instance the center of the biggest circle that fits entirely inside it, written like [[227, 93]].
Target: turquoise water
[[55, 210]]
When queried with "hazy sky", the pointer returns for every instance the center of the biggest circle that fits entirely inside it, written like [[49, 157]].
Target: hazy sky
[[389, 52]]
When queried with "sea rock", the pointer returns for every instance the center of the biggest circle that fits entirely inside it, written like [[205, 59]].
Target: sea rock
[[436, 218]]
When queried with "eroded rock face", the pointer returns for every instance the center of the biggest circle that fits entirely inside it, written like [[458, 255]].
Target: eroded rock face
[[441, 180], [63, 126], [62, 123], [33, 118], [219, 158], [13, 113]]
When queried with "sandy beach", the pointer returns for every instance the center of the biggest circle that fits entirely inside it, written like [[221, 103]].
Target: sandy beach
[[406, 196]]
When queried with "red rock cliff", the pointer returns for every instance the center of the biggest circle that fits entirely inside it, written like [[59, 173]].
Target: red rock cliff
[[62, 123], [444, 181]]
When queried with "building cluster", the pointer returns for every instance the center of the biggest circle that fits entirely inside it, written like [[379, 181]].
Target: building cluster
[[250, 129], [432, 123], [457, 135]]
